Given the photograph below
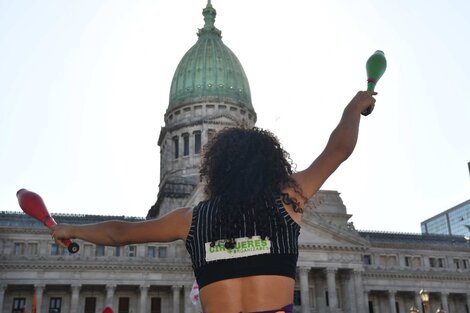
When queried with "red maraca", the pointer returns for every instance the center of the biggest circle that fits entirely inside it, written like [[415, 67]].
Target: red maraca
[[31, 203]]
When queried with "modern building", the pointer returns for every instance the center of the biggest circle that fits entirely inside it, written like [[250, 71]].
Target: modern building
[[340, 269], [454, 221]]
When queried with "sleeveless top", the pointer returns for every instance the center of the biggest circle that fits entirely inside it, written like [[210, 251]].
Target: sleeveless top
[[251, 255]]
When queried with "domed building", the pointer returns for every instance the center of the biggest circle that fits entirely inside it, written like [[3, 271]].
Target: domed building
[[209, 91], [340, 269]]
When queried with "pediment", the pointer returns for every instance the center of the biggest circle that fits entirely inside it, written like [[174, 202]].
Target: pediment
[[316, 231], [325, 223]]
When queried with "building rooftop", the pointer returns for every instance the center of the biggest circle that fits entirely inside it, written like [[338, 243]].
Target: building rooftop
[[20, 219], [436, 239]]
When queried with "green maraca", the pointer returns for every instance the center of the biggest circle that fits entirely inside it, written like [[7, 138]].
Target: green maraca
[[375, 68]]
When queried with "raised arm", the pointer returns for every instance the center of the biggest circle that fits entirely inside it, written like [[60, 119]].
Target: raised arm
[[173, 226], [340, 145]]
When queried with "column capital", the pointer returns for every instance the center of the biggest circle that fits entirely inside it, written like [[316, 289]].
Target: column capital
[[175, 287], [392, 292], [144, 287], [304, 269], [110, 286], [39, 286], [76, 286], [331, 270]]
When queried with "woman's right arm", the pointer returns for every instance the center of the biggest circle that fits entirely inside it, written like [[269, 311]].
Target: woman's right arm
[[340, 145], [173, 226]]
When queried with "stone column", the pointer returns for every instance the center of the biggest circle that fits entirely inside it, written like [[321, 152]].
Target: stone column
[[39, 291], [391, 301], [304, 290], [361, 306], [319, 291], [351, 297], [2, 294], [366, 300], [75, 297], [110, 295], [444, 303], [176, 298], [331, 281], [144, 289]]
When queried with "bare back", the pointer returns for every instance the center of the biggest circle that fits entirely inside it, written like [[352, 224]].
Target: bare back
[[247, 294], [251, 293]]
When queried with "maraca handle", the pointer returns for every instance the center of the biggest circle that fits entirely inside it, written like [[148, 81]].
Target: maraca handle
[[370, 87], [72, 247]]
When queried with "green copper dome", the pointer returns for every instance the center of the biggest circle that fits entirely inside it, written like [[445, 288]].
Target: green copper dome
[[209, 71]]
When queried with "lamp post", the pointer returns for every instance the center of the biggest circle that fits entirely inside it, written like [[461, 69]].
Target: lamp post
[[424, 300]]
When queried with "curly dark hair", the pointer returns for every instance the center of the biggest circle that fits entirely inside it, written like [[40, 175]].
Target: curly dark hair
[[245, 168]]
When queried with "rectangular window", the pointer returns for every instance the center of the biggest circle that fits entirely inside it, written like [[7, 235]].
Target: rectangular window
[[176, 148], [457, 263], [87, 250], [151, 252], [99, 250], [432, 262], [18, 305], [32, 248], [123, 305], [440, 262], [55, 249], [55, 305], [383, 260], [327, 298], [156, 305], [416, 262], [465, 264], [185, 144], [197, 142], [392, 260], [117, 251], [19, 248], [162, 252], [90, 305], [407, 261], [367, 259], [131, 251]]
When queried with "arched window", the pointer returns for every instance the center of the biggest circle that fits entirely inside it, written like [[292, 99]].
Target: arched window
[[197, 142], [176, 147], [185, 144]]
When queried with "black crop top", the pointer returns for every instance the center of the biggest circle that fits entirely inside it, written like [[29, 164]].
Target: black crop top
[[251, 255]]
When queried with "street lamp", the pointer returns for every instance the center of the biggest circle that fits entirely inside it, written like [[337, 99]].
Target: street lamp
[[414, 309], [424, 300]]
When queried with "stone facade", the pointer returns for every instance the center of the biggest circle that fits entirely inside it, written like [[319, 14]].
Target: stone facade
[[340, 269]]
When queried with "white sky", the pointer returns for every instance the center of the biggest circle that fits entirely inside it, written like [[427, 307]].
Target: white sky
[[84, 86]]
